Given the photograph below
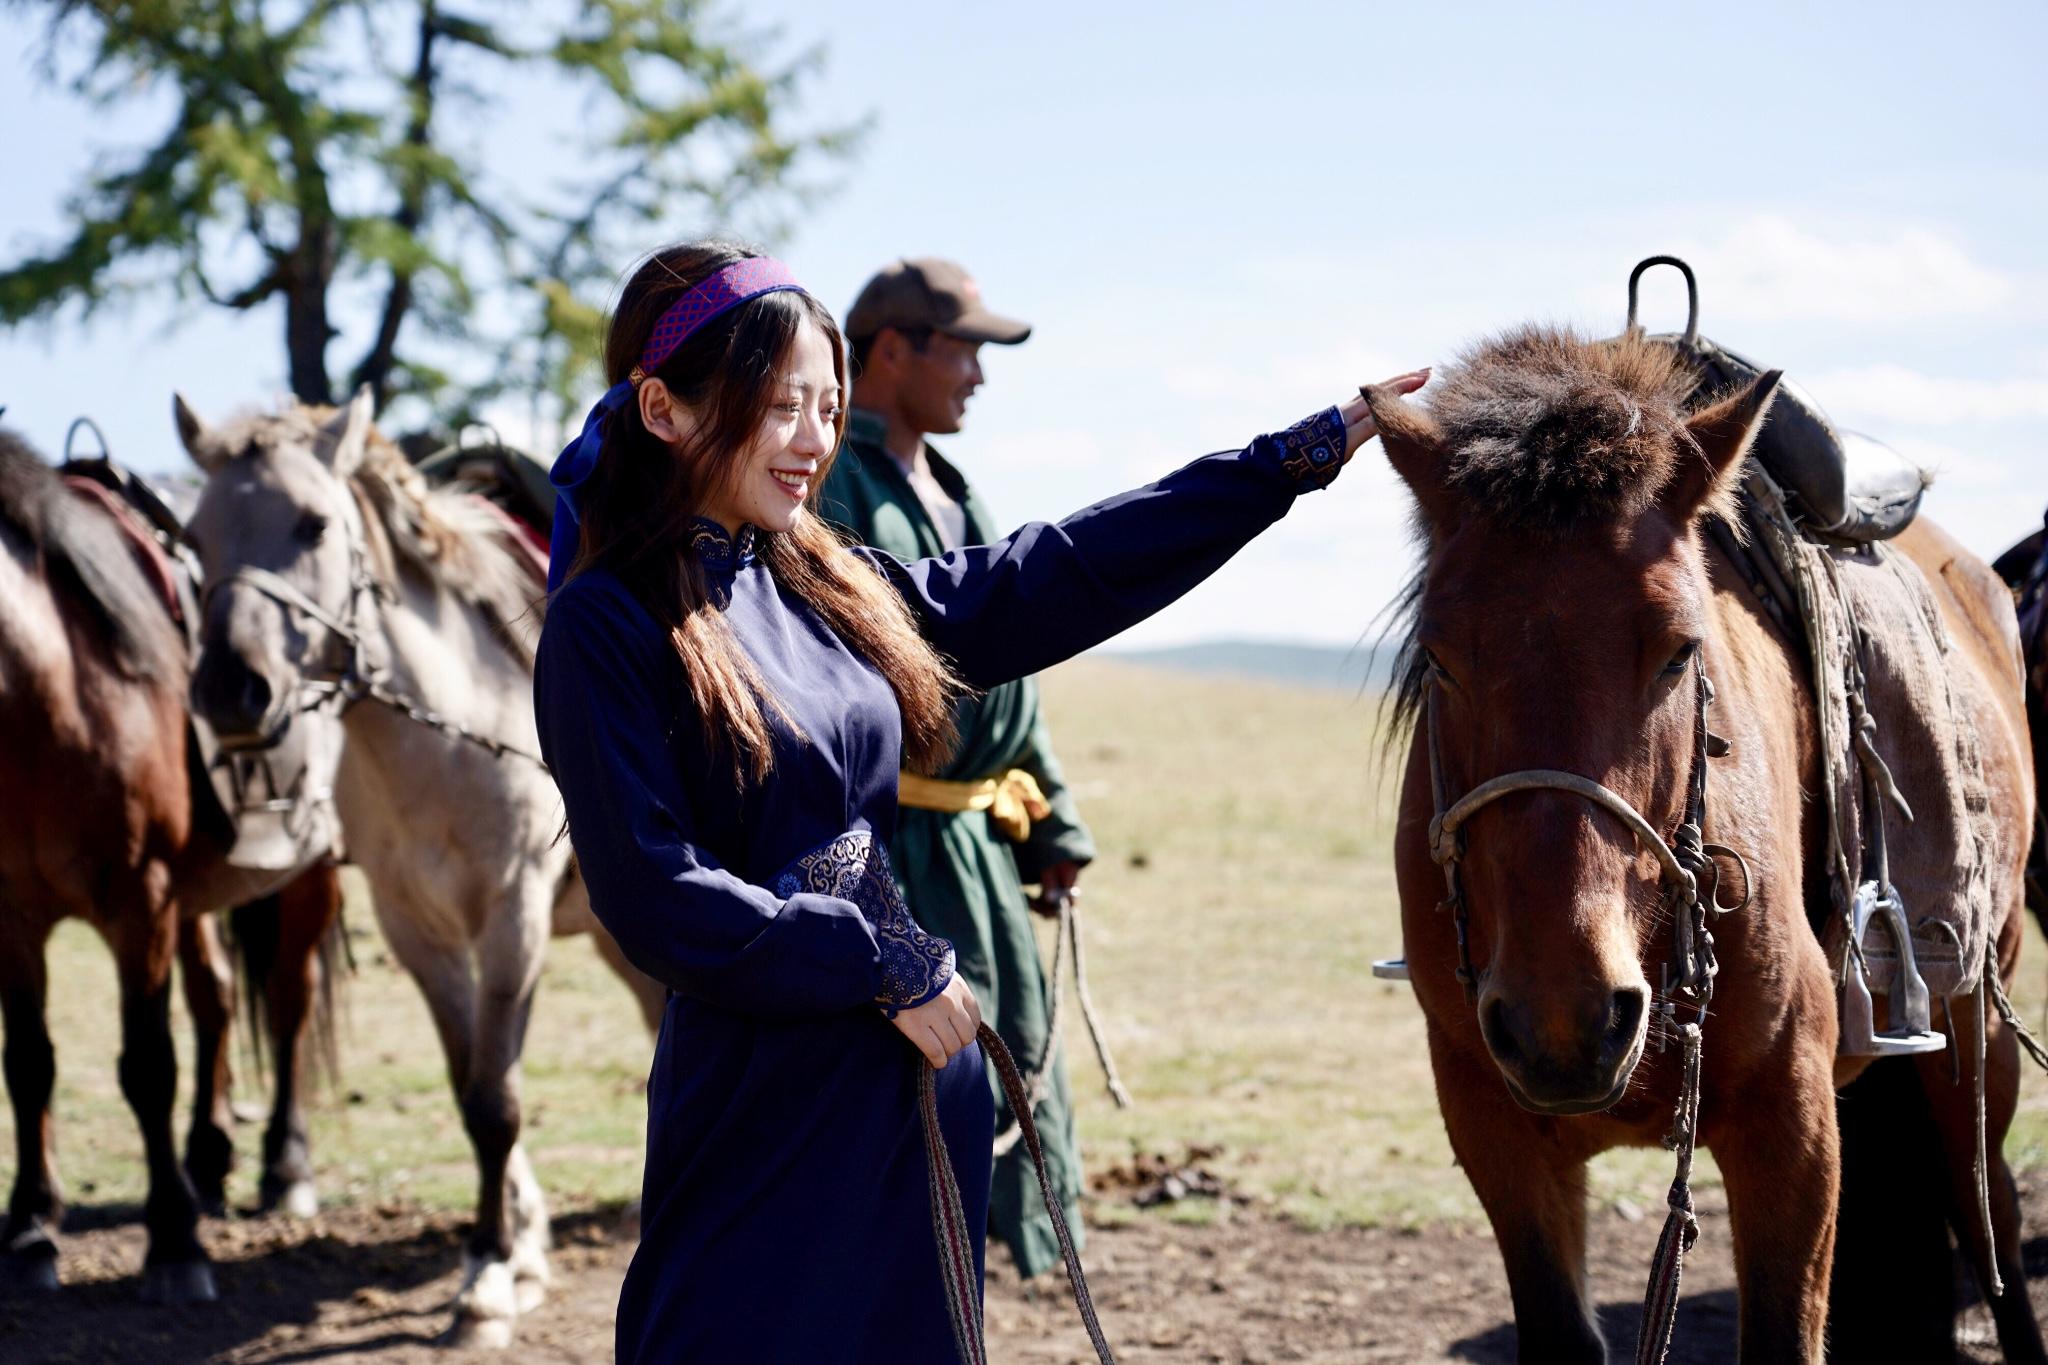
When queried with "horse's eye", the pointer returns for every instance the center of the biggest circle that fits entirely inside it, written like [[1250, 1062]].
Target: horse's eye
[[1436, 667], [310, 529], [1682, 658]]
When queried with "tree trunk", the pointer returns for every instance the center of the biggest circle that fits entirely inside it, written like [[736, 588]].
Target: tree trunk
[[376, 366], [306, 328]]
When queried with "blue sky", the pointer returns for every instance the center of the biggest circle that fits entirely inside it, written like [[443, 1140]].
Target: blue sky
[[1222, 216]]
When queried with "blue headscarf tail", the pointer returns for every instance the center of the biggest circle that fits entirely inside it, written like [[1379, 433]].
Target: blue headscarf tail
[[576, 463]]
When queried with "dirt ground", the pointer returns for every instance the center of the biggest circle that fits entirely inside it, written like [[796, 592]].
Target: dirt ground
[[1245, 1286]]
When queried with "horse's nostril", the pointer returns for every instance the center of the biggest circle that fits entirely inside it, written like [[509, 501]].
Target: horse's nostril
[[255, 693], [1624, 1017], [231, 695], [1498, 1030]]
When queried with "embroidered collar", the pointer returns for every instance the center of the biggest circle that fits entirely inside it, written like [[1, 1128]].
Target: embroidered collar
[[720, 551]]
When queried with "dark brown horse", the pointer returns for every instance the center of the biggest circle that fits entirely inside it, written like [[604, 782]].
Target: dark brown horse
[[98, 819], [2024, 568], [1568, 615]]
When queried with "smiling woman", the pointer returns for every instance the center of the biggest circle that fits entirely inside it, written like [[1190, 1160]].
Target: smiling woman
[[819, 1122]]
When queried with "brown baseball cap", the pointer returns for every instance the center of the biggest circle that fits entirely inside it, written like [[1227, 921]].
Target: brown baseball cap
[[928, 292]]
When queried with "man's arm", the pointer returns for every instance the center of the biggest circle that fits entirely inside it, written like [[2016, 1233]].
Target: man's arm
[[1061, 837]]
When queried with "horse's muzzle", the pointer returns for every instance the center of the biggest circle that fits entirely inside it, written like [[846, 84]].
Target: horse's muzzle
[[1585, 1072], [237, 701]]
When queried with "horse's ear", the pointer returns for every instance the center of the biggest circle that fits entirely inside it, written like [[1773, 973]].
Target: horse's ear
[[197, 436], [1723, 433], [351, 431], [1415, 446]]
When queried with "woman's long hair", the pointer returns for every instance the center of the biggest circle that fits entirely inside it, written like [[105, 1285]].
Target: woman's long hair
[[639, 505]]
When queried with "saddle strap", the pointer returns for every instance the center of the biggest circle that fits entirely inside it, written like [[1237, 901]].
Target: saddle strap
[[949, 1219]]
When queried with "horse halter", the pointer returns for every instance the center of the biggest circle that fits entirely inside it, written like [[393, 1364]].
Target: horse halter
[[340, 677], [1685, 861], [352, 672], [1690, 879]]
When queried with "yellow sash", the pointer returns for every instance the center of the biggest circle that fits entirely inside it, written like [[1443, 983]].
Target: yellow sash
[[1012, 801]]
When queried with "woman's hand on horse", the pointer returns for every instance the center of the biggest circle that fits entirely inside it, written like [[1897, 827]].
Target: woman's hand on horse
[[1358, 426], [944, 1024]]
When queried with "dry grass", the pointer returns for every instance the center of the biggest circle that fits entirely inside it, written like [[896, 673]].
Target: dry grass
[[1242, 891]]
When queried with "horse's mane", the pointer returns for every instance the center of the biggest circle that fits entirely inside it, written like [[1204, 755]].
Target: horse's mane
[[1546, 432], [445, 535], [79, 548]]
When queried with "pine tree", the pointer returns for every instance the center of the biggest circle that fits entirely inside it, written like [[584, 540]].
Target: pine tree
[[325, 153]]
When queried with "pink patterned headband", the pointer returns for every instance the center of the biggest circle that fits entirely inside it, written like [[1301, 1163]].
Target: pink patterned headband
[[705, 300]]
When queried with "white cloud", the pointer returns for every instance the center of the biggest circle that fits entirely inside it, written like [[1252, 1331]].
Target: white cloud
[[1773, 268], [1895, 393]]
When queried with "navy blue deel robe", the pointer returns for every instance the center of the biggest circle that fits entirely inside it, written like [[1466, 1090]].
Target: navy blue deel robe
[[785, 1212]]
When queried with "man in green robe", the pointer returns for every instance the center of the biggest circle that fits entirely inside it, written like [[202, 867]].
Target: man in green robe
[[916, 332]]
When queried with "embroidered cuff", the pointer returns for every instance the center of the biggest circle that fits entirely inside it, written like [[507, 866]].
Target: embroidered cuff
[[1310, 453], [916, 966]]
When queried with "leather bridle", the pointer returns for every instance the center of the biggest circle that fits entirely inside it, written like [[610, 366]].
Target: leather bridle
[[1690, 882]]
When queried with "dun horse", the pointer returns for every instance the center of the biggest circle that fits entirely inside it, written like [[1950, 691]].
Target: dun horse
[[344, 592], [102, 824], [1568, 618]]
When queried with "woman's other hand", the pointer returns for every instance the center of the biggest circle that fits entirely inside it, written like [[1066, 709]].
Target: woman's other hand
[[1358, 427], [944, 1024]]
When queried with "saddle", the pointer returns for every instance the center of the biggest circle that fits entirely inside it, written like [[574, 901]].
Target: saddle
[[256, 803], [1911, 837], [1839, 485], [512, 483]]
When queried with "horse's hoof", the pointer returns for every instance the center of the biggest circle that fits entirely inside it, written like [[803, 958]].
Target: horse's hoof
[[292, 1196], [531, 1276], [297, 1200], [486, 1334], [209, 1157], [31, 1268], [179, 1282], [488, 1305]]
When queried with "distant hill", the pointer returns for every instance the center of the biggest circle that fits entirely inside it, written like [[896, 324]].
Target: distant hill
[[1363, 667]]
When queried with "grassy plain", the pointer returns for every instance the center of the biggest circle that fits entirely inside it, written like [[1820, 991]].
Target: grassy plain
[[1243, 888]]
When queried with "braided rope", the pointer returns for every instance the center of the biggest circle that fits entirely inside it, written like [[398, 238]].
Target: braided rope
[[949, 1219], [1066, 948], [949, 1227], [1681, 1226], [2009, 1014]]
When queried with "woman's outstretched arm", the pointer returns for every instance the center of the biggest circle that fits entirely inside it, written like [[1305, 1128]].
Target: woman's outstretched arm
[[1052, 589]]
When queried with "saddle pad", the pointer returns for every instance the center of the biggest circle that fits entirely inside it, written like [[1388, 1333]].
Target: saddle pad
[[1879, 615], [526, 543], [149, 556]]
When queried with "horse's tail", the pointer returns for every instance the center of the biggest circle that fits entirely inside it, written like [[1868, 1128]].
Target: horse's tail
[[258, 936]]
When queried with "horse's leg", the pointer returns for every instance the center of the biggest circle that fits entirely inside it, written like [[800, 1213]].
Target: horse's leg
[[652, 997], [177, 1269], [209, 996], [1955, 1116], [307, 909], [649, 994], [36, 1206], [1781, 1159], [1536, 1201], [1892, 1293], [572, 915], [512, 1223], [471, 1026]]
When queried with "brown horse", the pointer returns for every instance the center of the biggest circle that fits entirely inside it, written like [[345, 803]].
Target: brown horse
[[101, 823], [1568, 616], [2024, 568]]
